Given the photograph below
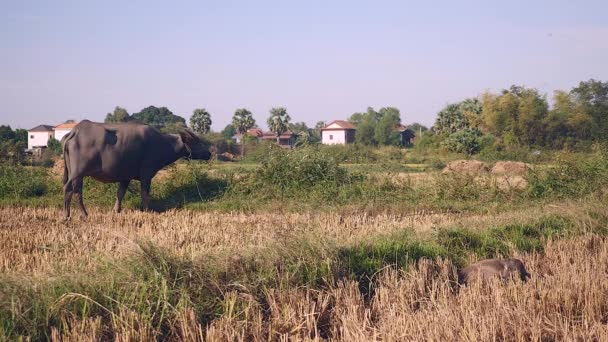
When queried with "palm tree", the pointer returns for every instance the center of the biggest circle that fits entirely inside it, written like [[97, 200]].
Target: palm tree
[[242, 121], [200, 121], [278, 121]]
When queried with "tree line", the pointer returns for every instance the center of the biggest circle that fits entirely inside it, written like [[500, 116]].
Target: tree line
[[521, 116], [517, 116]]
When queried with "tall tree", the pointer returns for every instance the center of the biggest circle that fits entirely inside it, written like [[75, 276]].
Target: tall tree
[[366, 130], [532, 111], [158, 117], [118, 115], [200, 121], [278, 121], [317, 130], [228, 132], [242, 120], [6, 133], [592, 97], [450, 119], [54, 146], [385, 132], [298, 127]]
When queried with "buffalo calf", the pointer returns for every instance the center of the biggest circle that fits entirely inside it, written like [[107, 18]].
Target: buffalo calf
[[486, 269]]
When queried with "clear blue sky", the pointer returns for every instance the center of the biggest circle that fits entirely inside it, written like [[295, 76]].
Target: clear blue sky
[[323, 60]]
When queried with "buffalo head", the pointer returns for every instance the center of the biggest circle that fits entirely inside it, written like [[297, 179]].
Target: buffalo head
[[194, 147]]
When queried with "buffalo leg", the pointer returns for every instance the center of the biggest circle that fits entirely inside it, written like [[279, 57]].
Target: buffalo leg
[[68, 190], [145, 193], [78, 192], [120, 194]]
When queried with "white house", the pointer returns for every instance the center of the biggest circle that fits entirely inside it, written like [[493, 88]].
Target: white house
[[63, 129], [39, 136], [338, 132]]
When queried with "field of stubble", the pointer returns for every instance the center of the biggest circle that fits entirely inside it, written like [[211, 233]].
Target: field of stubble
[[184, 275]]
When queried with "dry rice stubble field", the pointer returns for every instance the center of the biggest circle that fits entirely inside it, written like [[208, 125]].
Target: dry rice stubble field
[[567, 298]]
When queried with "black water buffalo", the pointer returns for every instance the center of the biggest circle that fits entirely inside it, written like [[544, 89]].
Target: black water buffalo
[[119, 153], [486, 269]]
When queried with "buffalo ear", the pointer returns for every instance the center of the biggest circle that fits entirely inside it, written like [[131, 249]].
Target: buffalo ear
[[188, 137]]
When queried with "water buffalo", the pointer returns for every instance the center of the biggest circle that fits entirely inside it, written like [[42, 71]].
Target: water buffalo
[[119, 153], [486, 269]]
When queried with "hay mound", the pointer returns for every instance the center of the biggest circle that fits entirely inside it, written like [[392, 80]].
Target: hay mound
[[470, 167], [511, 168], [57, 170]]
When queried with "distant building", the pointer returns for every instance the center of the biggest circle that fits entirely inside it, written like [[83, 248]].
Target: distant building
[[338, 132], [286, 140], [252, 132], [63, 129], [38, 137], [406, 135]]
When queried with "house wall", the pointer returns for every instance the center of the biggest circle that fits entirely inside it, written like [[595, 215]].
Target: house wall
[[61, 132], [35, 139], [334, 137]]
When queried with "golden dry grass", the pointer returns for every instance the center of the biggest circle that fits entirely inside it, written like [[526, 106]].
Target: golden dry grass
[[36, 240], [566, 299]]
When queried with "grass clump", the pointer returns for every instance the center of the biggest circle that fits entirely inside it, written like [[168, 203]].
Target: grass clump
[[572, 175], [366, 259]]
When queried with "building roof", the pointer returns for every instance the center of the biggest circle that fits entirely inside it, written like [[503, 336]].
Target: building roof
[[401, 128], [41, 128], [285, 135], [68, 124], [338, 125], [256, 132]]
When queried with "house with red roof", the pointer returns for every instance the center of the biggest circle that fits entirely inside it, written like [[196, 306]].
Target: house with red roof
[[63, 129], [38, 137], [286, 140]]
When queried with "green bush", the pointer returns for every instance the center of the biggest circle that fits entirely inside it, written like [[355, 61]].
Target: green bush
[[467, 141], [572, 175], [300, 170], [19, 182]]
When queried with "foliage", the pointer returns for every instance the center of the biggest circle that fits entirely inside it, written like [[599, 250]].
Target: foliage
[[305, 136], [571, 176], [365, 133], [591, 97], [278, 122], [6, 133], [12, 151], [385, 132], [465, 141], [377, 127], [242, 120], [200, 121], [19, 182], [12, 144], [158, 117], [457, 116], [219, 143], [417, 128], [291, 171], [54, 146], [117, 116], [228, 132]]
